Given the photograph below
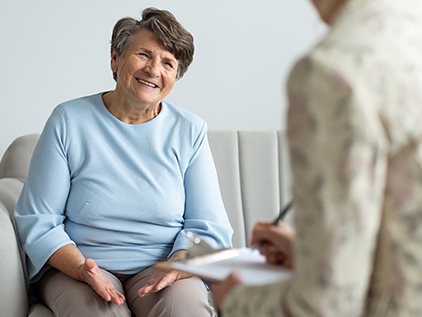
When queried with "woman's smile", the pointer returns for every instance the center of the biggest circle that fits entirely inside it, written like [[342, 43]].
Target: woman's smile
[[144, 82]]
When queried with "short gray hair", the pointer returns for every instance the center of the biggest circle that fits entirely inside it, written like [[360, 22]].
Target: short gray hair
[[176, 39]]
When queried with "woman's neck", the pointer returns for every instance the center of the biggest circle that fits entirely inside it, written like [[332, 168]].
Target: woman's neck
[[128, 112]]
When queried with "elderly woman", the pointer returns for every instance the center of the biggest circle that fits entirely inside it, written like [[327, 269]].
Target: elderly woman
[[355, 137], [116, 181]]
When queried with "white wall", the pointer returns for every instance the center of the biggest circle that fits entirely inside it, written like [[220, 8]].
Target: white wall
[[55, 50]]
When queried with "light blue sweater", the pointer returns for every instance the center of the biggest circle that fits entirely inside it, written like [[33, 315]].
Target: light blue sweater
[[125, 195]]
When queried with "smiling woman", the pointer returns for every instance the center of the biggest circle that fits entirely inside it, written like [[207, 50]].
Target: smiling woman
[[145, 75], [110, 172], [147, 57]]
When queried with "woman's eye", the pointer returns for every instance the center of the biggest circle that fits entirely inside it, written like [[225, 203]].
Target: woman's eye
[[169, 64]]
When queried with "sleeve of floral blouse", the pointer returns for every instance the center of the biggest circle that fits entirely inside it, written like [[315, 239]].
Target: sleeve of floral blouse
[[338, 157]]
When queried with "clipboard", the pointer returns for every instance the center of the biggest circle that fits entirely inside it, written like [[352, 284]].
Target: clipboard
[[214, 267]]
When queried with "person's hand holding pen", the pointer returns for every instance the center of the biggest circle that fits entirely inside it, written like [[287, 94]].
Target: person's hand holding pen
[[274, 240]]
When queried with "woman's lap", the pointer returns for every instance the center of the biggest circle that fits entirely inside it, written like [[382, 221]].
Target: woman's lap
[[176, 301], [68, 297]]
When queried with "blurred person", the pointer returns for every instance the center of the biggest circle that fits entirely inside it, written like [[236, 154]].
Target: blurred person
[[355, 139]]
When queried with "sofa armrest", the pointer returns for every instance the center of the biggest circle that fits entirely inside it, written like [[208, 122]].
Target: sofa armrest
[[16, 159], [13, 285]]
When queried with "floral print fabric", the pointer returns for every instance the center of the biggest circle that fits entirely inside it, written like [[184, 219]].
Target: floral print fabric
[[355, 137]]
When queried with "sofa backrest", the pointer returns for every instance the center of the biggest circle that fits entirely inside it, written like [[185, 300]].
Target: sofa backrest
[[252, 169], [254, 177]]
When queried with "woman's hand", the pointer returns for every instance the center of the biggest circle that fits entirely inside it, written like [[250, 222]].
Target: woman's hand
[[220, 290], [278, 246], [91, 274], [161, 279], [70, 261]]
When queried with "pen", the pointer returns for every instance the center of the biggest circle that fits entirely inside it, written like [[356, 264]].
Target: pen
[[280, 216]]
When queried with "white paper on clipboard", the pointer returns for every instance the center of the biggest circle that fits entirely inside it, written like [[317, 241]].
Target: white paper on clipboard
[[248, 262]]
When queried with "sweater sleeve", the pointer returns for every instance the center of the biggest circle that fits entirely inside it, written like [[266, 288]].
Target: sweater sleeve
[[338, 155], [39, 212], [204, 214]]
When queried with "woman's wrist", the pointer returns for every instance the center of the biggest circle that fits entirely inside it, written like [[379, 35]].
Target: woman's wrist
[[178, 255]]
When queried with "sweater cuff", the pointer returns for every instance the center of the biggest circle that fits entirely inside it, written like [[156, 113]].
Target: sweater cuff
[[44, 248]]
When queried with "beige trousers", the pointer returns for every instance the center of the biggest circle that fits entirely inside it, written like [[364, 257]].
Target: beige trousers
[[67, 297]]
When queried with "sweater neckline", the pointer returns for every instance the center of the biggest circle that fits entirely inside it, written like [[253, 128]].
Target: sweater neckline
[[110, 115]]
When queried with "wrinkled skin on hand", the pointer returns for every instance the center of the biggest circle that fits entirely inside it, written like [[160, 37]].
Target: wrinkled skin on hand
[[162, 278], [90, 273]]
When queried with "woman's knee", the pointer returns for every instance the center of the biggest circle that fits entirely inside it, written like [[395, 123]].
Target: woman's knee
[[186, 297], [67, 297]]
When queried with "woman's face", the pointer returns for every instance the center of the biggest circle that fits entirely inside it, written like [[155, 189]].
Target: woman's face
[[146, 72]]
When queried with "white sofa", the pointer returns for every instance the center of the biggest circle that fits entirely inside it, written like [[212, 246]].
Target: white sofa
[[253, 173]]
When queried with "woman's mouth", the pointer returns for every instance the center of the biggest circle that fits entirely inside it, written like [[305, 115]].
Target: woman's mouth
[[147, 83]]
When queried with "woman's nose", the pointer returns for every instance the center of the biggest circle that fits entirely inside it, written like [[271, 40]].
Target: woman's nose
[[152, 68]]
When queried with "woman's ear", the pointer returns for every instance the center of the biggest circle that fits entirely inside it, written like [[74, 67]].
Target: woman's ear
[[113, 62]]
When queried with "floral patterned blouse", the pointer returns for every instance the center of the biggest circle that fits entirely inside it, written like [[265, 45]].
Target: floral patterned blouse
[[355, 137]]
